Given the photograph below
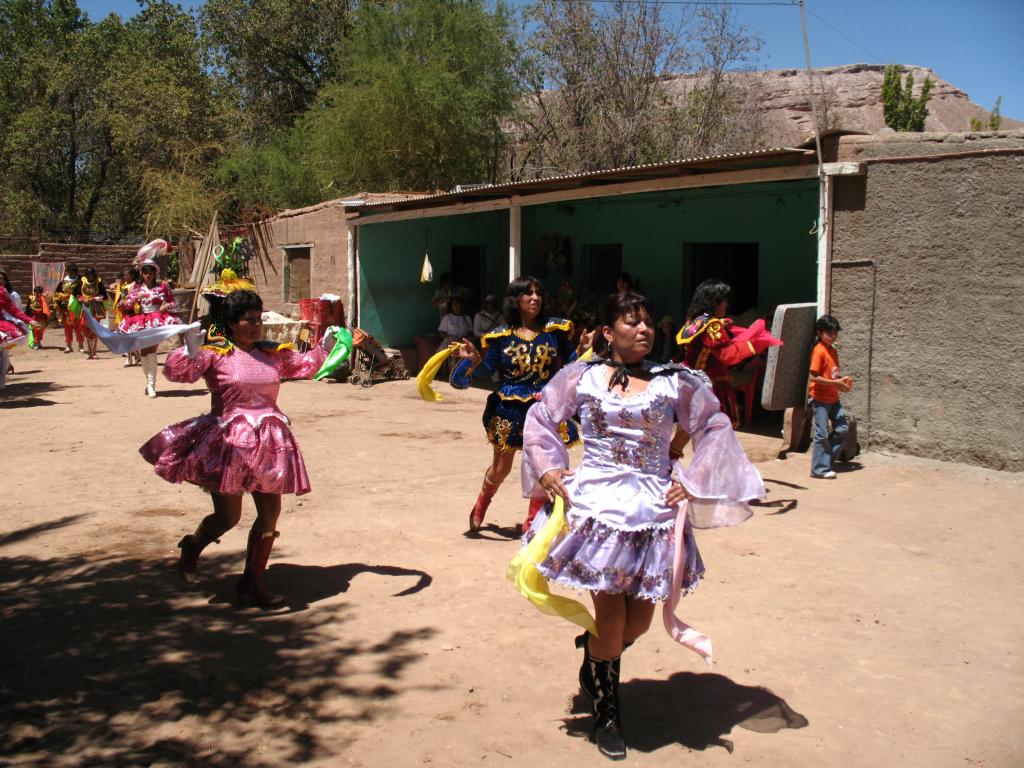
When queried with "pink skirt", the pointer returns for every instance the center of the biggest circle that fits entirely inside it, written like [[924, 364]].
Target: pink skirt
[[10, 332], [148, 320], [240, 454]]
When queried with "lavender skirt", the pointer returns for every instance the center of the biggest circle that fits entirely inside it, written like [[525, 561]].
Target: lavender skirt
[[596, 557]]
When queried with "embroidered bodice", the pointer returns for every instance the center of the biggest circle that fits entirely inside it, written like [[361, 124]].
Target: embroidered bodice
[[527, 363], [243, 384], [148, 299]]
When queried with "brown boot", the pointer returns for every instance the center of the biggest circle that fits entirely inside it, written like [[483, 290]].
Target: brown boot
[[191, 547], [483, 501], [251, 589]]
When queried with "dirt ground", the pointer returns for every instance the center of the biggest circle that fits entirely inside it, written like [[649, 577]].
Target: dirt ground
[[872, 620]]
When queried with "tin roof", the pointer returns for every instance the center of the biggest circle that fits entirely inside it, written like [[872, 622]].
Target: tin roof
[[763, 158]]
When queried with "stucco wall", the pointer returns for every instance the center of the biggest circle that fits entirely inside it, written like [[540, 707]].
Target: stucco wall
[[324, 229], [928, 283]]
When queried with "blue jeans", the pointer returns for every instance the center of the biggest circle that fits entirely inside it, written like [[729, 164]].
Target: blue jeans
[[827, 444]]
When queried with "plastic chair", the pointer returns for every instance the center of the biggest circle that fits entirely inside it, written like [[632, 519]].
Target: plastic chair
[[748, 388]]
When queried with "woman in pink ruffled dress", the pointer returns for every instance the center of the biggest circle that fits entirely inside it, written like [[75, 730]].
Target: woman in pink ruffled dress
[[149, 304], [244, 445]]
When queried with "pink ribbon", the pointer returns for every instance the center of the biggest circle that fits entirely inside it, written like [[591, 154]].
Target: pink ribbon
[[678, 630]]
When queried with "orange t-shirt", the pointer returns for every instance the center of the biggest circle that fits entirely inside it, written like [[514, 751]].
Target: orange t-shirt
[[824, 363]]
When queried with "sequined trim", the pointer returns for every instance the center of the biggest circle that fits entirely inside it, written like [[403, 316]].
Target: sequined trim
[[498, 430], [254, 421]]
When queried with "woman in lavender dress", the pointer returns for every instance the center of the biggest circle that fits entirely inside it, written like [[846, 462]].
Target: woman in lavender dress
[[244, 445], [621, 540]]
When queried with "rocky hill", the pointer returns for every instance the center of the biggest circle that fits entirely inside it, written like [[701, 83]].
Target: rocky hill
[[852, 98]]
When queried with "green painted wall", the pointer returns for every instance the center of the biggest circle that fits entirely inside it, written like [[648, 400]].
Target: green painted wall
[[652, 229], [394, 306]]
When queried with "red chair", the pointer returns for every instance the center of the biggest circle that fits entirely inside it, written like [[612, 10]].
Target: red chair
[[749, 388], [314, 311]]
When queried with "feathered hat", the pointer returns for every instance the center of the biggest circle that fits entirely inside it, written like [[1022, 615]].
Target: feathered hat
[[144, 257]]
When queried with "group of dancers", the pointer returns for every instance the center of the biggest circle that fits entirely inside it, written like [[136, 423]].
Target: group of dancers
[[620, 526], [141, 301]]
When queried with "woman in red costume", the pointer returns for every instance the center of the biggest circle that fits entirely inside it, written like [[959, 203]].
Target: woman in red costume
[[712, 343], [12, 330], [149, 304]]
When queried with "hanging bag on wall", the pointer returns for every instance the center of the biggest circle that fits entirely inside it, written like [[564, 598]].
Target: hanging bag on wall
[[427, 273]]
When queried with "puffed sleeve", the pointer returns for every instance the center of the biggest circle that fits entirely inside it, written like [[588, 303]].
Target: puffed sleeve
[[183, 369], [492, 356], [720, 477], [543, 448], [300, 365], [167, 296], [566, 349]]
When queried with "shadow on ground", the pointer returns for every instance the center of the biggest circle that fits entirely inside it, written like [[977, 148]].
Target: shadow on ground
[[107, 659], [23, 394], [694, 710]]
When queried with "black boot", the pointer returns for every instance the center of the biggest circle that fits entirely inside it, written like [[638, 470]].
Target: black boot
[[587, 683], [607, 723], [191, 547]]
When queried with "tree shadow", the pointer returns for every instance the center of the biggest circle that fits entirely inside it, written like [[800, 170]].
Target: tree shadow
[[22, 394], [34, 530], [694, 710], [110, 661]]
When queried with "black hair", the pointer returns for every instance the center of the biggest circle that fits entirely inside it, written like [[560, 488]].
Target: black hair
[[706, 298], [520, 287], [621, 304], [6, 281], [133, 273], [89, 270], [228, 311], [827, 323], [626, 278], [616, 306], [37, 289], [72, 267]]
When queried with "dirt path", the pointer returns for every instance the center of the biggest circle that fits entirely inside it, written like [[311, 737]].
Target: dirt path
[[874, 620]]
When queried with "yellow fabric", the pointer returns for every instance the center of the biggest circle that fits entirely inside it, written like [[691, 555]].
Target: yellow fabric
[[586, 355], [429, 373], [530, 582]]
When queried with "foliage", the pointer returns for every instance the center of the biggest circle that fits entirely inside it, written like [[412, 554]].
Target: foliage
[[425, 87], [89, 110], [600, 88], [995, 118], [900, 108], [276, 53]]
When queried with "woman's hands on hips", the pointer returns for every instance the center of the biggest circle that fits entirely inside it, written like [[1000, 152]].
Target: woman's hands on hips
[[551, 482]]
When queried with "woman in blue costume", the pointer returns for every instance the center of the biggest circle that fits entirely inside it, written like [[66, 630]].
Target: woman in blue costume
[[527, 351]]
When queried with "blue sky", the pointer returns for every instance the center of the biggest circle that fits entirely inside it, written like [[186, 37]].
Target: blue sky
[[974, 44]]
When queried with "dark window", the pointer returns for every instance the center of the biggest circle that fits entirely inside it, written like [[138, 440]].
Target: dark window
[[297, 274], [735, 263], [604, 263]]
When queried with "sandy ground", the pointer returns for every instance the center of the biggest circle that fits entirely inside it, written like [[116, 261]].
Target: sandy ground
[[873, 620]]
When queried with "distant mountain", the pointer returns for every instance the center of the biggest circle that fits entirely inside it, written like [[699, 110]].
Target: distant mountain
[[852, 95]]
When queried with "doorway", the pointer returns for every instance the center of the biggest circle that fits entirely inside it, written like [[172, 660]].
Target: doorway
[[468, 271], [734, 263]]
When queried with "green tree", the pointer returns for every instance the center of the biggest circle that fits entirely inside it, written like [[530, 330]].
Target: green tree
[[276, 53], [90, 109], [902, 110], [995, 118], [423, 91]]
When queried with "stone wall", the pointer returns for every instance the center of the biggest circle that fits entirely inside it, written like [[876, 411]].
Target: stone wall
[[927, 281], [322, 227]]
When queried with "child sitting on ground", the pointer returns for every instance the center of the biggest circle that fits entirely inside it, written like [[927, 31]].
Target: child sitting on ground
[[826, 384]]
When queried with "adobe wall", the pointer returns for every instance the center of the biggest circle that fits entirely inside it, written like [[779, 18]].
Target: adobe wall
[[323, 228], [927, 282], [107, 260]]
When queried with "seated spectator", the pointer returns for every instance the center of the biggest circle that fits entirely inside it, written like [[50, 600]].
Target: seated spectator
[[487, 319], [455, 325]]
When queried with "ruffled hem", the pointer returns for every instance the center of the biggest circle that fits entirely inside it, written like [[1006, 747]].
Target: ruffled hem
[[148, 320], [231, 457], [592, 556]]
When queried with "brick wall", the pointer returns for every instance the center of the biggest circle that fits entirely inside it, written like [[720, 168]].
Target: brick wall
[[107, 260]]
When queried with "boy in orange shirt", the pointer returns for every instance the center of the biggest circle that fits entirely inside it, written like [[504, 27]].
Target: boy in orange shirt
[[826, 384]]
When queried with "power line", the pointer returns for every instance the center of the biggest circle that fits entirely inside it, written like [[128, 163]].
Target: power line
[[843, 35]]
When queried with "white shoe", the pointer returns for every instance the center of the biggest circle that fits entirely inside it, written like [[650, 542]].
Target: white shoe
[[830, 475], [151, 393]]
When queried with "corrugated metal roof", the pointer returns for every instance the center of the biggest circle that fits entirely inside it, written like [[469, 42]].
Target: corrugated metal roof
[[728, 161]]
